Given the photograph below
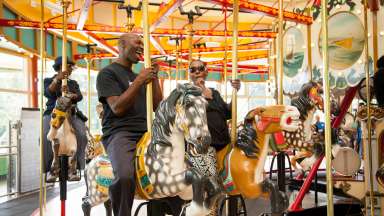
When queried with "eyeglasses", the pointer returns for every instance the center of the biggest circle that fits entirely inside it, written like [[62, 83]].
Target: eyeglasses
[[195, 69]]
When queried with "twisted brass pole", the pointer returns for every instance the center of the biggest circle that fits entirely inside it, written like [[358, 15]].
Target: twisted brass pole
[[41, 98], [369, 122], [328, 140], [147, 64], [234, 69]]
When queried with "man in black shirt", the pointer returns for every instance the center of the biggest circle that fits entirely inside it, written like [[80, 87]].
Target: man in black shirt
[[52, 91], [123, 95]]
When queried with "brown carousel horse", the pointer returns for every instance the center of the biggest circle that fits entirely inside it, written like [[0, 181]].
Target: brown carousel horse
[[242, 173]]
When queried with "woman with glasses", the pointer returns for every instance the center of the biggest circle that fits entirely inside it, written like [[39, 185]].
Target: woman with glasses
[[218, 112], [52, 91]]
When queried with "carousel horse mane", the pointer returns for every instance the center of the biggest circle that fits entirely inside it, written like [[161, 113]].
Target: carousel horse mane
[[166, 113], [303, 103]]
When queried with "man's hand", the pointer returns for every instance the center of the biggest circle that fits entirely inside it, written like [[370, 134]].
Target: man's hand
[[236, 84], [61, 75], [146, 75]]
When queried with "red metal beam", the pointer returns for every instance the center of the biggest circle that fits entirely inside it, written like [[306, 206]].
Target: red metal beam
[[117, 29], [102, 43], [34, 91], [246, 6], [244, 58], [218, 49]]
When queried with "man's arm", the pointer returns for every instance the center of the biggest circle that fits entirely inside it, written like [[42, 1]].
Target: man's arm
[[56, 83], [120, 104]]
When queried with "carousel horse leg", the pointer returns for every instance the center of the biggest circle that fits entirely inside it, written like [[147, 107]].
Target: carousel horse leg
[[86, 207], [197, 180], [108, 207], [72, 171], [55, 168], [279, 200], [214, 191]]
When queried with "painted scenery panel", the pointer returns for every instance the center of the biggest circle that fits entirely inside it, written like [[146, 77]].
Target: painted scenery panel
[[345, 40]]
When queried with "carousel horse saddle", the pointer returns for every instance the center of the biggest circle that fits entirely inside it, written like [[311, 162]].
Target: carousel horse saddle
[[143, 184], [105, 175]]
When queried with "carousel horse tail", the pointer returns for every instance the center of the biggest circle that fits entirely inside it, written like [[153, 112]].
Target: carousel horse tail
[[279, 200]]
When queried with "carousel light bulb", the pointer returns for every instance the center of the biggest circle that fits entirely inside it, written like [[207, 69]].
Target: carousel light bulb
[[312, 44], [369, 34], [358, 11], [360, 61], [382, 33], [338, 6]]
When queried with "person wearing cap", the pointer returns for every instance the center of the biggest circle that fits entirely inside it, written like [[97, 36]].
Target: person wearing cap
[[52, 91]]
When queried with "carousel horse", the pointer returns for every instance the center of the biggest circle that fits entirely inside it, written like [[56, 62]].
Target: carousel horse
[[243, 173], [307, 102], [180, 125], [63, 138]]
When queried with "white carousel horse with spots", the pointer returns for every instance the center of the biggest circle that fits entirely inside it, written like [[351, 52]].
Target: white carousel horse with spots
[[161, 169]]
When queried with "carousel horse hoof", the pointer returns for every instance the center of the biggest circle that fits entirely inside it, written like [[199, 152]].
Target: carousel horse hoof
[[108, 207], [86, 207], [73, 177], [51, 178]]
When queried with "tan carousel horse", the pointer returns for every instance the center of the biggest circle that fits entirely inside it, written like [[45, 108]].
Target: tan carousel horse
[[63, 138], [243, 174]]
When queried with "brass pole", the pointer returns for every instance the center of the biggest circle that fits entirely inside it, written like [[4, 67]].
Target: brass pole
[[170, 79], [309, 47], [41, 78], [234, 68], [225, 57], [147, 63], [88, 61], [177, 63], [328, 140], [280, 54], [274, 44], [374, 39], [190, 43], [369, 123], [64, 46]]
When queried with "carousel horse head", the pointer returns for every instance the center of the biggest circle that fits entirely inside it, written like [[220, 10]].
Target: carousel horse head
[[310, 97], [275, 118], [184, 111]]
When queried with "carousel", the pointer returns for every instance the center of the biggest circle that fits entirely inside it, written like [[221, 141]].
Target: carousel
[[306, 127]]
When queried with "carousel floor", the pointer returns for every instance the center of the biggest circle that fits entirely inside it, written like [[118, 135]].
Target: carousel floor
[[28, 205]]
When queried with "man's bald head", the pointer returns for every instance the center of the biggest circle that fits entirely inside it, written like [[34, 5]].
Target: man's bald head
[[126, 38], [130, 47]]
